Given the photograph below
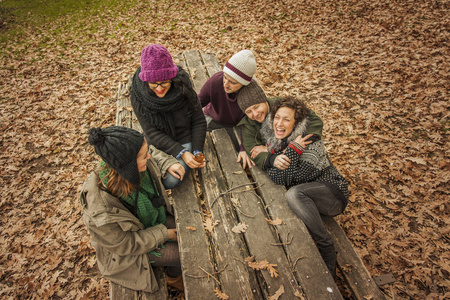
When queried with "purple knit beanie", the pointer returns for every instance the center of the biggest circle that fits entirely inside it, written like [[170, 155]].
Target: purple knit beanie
[[157, 64]]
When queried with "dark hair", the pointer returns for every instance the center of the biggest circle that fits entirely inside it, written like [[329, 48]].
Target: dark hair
[[183, 82], [300, 108]]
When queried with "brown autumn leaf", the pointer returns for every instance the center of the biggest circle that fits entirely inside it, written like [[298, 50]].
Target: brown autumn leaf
[[276, 221], [221, 295], [239, 228], [264, 265], [209, 224], [299, 295], [199, 157], [273, 272], [249, 259], [235, 202], [386, 78], [277, 294]]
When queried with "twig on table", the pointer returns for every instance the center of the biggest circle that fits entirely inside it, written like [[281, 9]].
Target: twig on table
[[208, 274], [285, 243], [295, 263], [200, 212], [233, 188], [238, 259], [238, 209], [257, 196]]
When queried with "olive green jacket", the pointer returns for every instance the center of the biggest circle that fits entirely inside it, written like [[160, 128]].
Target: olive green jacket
[[251, 136], [119, 239]]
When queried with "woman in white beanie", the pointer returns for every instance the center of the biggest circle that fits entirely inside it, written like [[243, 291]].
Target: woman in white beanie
[[218, 97]]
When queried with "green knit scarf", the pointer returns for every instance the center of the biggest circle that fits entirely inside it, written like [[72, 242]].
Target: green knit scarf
[[147, 214]]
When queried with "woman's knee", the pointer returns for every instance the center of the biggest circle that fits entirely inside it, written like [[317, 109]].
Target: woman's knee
[[296, 200], [293, 195], [170, 182], [290, 197]]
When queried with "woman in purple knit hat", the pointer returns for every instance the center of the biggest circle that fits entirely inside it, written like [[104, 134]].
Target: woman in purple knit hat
[[168, 110]]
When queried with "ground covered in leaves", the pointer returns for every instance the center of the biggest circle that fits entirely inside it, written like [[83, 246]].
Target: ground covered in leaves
[[375, 71]]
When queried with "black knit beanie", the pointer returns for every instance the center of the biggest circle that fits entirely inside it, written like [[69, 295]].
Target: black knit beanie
[[119, 146], [250, 95]]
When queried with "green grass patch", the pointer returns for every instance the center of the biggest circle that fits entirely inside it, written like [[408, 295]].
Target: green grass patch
[[17, 16]]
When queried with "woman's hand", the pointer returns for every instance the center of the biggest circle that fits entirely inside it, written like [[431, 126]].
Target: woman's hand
[[245, 160], [257, 150], [189, 159], [172, 234], [302, 141], [177, 171], [282, 162]]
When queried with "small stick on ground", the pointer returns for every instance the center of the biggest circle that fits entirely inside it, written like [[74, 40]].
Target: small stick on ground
[[208, 274], [295, 263], [238, 209], [286, 243], [233, 188]]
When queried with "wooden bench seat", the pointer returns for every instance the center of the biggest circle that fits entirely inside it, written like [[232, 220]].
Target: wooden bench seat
[[237, 236]]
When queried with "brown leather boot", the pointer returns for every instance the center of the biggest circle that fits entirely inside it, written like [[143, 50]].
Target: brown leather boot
[[176, 282]]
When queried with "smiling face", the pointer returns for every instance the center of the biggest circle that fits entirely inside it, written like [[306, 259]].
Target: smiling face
[[142, 157], [283, 122], [258, 112], [160, 87], [230, 85]]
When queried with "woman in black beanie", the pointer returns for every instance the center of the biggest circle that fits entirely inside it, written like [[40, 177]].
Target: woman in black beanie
[[125, 210]]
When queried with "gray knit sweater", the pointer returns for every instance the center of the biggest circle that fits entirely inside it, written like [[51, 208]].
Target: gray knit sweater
[[307, 164]]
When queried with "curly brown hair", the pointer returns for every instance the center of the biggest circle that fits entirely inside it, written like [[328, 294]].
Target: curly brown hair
[[300, 108]]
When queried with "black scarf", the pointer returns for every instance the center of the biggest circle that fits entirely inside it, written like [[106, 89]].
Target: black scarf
[[158, 110]]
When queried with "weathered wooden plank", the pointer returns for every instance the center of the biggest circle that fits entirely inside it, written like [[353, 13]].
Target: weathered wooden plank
[[210, 62], [238, 281], [351, 265], [118, 292], [193, 245], [312, 272], [124, 109], [180, 60], [196, 70], [259, 234]]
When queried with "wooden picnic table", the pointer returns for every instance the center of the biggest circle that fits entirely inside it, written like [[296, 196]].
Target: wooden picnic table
[[236, 233]]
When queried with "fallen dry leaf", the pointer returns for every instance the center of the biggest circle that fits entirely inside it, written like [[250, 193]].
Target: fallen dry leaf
[[264, 265], [239, 228], [276, 221], [209, 224], [221, 295], [277, 294], [376, 72]]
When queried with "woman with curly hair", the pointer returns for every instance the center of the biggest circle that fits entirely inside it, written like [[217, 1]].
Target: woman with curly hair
[[315, 186]]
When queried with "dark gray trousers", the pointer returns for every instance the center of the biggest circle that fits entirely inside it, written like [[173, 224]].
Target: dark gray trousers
[[308, 201]]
